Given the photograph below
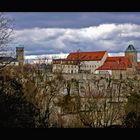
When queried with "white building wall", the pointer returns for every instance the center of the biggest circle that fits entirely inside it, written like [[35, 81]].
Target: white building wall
[[104, 58], [93, 65], [65, 68], [69, 68], [9, 64], [103, 72], [90, 66]]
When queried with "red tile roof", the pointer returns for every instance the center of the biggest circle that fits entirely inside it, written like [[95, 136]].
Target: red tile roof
[[86, 56], [116, 63]]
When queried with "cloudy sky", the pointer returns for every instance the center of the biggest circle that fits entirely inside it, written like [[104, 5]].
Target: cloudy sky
[[63, 32]]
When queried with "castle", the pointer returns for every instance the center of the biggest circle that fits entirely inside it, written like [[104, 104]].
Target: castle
[[99, 63]]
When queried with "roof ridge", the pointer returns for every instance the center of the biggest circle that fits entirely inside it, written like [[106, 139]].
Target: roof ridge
[[87, 52]]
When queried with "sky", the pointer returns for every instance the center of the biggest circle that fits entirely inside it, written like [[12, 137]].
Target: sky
[[64, 32]]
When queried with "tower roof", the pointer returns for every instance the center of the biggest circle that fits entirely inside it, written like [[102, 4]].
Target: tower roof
[[130, 48], [19, 46]]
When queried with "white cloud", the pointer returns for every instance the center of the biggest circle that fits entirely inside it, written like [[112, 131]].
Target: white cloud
[[116, 54], [48, 58], [109, 37]]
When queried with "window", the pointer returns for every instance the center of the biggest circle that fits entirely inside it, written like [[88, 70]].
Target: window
[[71, 71]]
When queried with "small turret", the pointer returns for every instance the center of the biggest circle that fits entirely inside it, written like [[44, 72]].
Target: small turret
[[131, 53]]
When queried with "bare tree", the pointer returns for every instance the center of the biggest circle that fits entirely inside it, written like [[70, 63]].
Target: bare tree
[[6, 32], [42, 63], [43, 90], [103, 107], [95, 105], [48, 94]]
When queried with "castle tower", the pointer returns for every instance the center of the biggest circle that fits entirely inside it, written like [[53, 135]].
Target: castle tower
[[20, 54], [131, 53]]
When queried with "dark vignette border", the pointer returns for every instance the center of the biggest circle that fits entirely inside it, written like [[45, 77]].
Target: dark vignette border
[[70, 5]]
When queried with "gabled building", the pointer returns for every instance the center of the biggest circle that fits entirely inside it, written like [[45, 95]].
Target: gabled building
[[65, 66], [8, 61], [116, 67], [78, 62]]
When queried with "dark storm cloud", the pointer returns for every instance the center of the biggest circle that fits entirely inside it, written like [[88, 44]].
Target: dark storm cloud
[[71, 19], [64, 32]]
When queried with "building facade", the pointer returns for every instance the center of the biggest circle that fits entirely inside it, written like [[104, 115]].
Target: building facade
[[116, 67], [80, 62]]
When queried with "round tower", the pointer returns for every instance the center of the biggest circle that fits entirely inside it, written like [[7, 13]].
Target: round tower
[[131, 53], [20, 54]]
